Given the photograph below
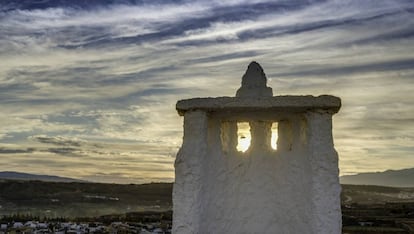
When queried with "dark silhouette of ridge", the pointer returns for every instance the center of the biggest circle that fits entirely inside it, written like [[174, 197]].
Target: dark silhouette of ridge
[[12, 175], [391, 178]]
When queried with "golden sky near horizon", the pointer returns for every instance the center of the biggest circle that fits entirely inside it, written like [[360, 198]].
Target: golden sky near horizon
[[88, 90]]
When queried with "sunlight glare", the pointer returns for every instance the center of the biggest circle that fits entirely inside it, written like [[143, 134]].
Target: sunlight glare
[[273, 142], [243, 135]]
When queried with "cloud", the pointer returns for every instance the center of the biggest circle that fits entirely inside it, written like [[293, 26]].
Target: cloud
[[72, 152], [97, 83], [396, 65], [60, 141], [15, 151]]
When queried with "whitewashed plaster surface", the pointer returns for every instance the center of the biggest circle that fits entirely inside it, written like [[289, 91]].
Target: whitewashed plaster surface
[[294, 189]]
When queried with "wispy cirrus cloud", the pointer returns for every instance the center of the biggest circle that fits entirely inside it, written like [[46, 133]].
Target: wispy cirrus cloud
[[96, 81]]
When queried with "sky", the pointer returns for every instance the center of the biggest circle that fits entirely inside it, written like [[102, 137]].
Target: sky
[[88, 88]]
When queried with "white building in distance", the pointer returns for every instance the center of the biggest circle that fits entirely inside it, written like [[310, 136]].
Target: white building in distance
[[292, 189]]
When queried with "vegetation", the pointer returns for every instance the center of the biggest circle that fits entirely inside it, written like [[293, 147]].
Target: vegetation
[[365, 209], [54, 199]]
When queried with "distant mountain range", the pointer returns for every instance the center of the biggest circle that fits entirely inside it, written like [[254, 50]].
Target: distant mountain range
[[391, 178], [12, 175]]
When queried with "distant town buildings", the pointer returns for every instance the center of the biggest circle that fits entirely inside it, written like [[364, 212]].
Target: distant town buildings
[[36, 227]]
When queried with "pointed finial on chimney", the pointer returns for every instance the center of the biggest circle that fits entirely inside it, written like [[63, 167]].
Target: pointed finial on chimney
[[254, 83]]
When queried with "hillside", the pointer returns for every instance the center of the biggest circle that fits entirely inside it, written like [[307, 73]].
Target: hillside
[[392, 178], [81, 199], [371, 194], [12, 175], [75, 199]]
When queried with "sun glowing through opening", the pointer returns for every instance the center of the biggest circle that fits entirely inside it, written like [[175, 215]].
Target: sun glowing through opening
[[273, 142], [243, 136]]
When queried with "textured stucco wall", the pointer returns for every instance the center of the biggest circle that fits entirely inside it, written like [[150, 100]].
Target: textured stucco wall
[[292, 190], [189, 165]]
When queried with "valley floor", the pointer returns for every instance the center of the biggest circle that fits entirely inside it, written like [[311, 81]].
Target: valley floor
[[147, 208]]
